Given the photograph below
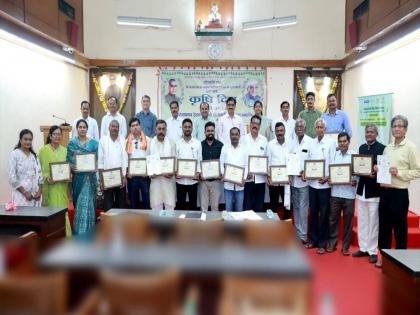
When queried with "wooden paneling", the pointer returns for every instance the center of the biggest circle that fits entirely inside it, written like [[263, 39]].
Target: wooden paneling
[[378, 9], [63, 29], [14, 8]]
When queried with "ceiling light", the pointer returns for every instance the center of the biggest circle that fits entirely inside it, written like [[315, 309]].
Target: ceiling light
[[269, 23], [144, 21]]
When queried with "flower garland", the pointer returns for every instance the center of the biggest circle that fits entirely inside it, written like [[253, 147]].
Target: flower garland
[[102, 97], [301, 92]]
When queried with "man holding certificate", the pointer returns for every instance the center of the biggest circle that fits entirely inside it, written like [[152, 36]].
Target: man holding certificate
[[162, 187], [256, 144], [234, 167], [277, 150], [188, 154], [300, 188], [209, 186], [112, 156], [342, 195], [368, 198], [322, 149], [137, 147]]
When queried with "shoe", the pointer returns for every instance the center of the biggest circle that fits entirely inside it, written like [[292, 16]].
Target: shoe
[[359, 253], [331, 249], [373, 259], [345, 252], [378, 264], [321, 251], [310, 245], [304, 242]]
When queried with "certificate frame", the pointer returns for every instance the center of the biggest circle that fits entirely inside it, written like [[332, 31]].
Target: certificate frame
[[333, 167], [136, 160], [251, 157], [227, 165], [203, 167], [272, 168], [173, 165], [355, 171], [90, 170], [180, 161], [53, 166], [306, 166], [111, 170]]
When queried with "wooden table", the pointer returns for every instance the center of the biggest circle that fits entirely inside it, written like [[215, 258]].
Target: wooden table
[[48, 223], [401, 270]]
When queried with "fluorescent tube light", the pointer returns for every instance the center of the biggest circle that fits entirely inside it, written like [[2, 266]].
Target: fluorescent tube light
[[269, 23], [32, 46], [144, 21]]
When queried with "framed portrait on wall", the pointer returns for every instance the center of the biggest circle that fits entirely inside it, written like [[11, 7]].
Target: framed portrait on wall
[[321, 83]]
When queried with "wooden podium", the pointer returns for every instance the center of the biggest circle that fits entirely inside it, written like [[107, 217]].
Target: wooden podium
[[66, 134]]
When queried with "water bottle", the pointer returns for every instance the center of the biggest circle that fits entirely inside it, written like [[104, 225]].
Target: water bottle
[[270, 214]]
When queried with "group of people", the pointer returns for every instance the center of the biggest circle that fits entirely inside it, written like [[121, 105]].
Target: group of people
[[381, 210]]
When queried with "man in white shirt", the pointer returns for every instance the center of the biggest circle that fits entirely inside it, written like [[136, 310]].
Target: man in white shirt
[[277, 150], [137, 146], [93, 131], [174, 124], [236, 154], [320, 148], [188, 148], [112, 154], [300, 188], [228, 121], [113, 114], [254, 190], [342, 199], [162, 187], [289, 123]]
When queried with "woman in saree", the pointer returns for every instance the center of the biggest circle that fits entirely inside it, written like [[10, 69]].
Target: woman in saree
[[54, 194], [84, 183], [24, 172]]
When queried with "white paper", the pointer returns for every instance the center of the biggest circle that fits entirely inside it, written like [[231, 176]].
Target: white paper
[[293, 165], [153, 165], [245, 215], [383, 176]]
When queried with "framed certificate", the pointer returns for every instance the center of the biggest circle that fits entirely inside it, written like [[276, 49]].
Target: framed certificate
[[314, 169], [333, 136], [340, 174], [210, 169], [234, 174], [111, 178], [85, 162], [167, 165], [60, 171], [186, 168], [137, 167], [257, 164], [362, 164], [293, 164], [278, 174]]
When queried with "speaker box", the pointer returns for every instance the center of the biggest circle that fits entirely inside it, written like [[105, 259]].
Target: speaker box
[[354, 38]]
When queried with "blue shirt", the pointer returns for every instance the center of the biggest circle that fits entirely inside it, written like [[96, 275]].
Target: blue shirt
[[148, 123], [343, 191], [337, 123]]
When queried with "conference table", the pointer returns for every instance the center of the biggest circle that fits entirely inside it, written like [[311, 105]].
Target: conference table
[[48, 223]]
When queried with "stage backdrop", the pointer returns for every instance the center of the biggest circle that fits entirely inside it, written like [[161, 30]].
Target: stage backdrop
[[375, 109], [191, 87]]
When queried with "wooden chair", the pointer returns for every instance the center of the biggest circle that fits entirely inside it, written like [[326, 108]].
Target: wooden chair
[[270, 234], [133, 227], [189, 232], [36, 295], [254, 296]]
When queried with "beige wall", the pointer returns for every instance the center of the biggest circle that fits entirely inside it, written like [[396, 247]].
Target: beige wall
[[396, 72], [33, 87]]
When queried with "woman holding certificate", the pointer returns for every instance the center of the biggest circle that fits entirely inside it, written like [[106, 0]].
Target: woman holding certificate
[[24, 172], [393, 205], [82, 155], [55, 172]]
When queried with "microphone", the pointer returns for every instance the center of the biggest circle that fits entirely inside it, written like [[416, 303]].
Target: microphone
[[65, 122]]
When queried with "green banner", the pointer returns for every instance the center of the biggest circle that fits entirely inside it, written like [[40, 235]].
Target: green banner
[[191, 87], [375, 109]]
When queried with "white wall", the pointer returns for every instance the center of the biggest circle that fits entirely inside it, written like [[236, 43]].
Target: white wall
[[396, 72], [319, 33], [32, 88]]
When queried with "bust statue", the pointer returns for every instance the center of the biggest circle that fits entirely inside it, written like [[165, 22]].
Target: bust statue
[[214, 16]]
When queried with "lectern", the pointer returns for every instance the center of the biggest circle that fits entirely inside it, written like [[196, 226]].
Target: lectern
[[66, 134]]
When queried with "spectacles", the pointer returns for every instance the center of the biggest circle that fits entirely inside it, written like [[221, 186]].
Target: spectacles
[[56, 134], [136, 145], [398, 126], [173, 85]]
